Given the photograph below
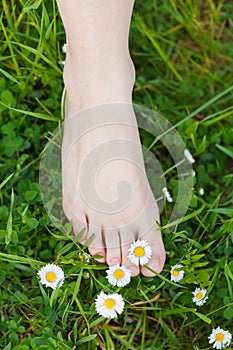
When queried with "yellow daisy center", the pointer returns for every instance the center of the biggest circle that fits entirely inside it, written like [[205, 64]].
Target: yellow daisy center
[[175, 273], [109, 303], [50, 276], [219, 337], [199, 295], [118, 274], [139, 251]]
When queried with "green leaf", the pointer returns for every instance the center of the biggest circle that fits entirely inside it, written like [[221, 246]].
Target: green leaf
[[30, 195], [8, 347], [89, 240], [86, 339], [34, 6], [228, 313], [31, 222], [197, 257], [79, 235], [200, 264], [66, 248], [203, 317], [203, 277]]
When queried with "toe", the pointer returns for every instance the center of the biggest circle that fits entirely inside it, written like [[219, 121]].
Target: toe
[[97, 247], [157, 260], [77, 217], [127, 238], [80, 224], [112, 243]]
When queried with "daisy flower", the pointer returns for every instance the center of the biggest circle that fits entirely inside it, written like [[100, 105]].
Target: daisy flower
[[176, 275], [109, 305], [84, 257], [51, 275], [199, 296], [118, 275], [189, 156], [167, 194], [64, 48], [140, 252], [201, 191], [220, 338]]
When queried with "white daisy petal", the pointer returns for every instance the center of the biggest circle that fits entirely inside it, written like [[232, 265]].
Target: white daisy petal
[[189, 156], [64, 48], [167, 194], [109, 305], [140, 252], [201, 191], [51, 275], [199, 296], [176, 275], [220, 338], [118, 275]]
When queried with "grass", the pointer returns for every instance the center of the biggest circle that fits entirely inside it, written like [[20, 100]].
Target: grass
[[183, 55]]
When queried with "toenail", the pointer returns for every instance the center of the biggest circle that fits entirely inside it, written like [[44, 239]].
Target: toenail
[[114, 261], [155, 263], [133, 269]]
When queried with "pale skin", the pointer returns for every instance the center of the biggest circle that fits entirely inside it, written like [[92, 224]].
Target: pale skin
[[99, 71]]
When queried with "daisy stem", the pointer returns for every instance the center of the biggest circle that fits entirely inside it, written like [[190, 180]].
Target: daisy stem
[[143, 331], [82, 313], [173, 167], [164, 278]]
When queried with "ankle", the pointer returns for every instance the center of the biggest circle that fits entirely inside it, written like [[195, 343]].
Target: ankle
[[103, 78]]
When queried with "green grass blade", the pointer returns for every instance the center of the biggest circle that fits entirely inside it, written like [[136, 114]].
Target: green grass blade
[[32, 114], [4, 182], [9, 76], [158, 48], [225, 150], [9, 221]]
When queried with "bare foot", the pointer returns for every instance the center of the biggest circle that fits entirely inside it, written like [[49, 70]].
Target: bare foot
[[105, 187]]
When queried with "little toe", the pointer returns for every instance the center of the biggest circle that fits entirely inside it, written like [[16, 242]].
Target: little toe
[[80, 224], [127, 238], [157, 260], [97, 247], [112, 243]]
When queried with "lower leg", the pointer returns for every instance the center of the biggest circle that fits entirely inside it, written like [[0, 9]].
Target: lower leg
[[97, 52], [99, 71]]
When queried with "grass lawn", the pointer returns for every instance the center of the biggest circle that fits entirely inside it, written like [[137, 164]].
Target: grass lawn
[[183, 54]]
